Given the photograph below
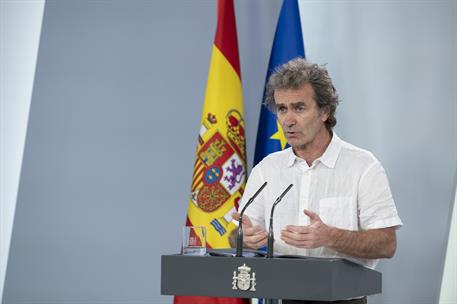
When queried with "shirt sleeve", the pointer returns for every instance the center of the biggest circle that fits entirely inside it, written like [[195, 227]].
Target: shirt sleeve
[[255, 211], [376, 206]]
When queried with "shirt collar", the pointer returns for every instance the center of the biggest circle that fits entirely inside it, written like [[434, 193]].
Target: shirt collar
[[292, 158], [332, 152], [329, 157]]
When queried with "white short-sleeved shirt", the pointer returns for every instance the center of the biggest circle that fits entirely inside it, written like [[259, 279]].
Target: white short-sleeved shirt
[[347, 187]]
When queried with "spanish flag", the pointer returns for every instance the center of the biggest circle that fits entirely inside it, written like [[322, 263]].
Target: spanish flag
[[220, 167]]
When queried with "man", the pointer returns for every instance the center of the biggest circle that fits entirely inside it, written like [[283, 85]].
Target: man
[[341, 204]]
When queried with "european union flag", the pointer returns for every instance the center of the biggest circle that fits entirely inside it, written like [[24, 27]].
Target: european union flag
[[287, 45]]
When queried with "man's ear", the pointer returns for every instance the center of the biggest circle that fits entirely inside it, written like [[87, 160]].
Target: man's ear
[[324, 113]]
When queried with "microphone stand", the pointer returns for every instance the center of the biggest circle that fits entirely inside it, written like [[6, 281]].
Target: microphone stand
[[270, 229], [239, 238]]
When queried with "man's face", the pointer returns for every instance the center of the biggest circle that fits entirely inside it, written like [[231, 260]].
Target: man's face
[[300, 117]]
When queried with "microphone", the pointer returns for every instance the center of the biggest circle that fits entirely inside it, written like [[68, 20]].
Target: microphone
[[270, 229], [239, 239]]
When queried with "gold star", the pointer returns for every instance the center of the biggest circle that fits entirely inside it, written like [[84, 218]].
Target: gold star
[[279, 135]]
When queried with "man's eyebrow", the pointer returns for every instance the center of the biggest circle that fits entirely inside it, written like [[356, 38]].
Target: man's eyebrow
[[298, 103], [294, 104]]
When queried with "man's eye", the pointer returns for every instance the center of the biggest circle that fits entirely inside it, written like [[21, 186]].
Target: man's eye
[[300, 108], [282, 110]]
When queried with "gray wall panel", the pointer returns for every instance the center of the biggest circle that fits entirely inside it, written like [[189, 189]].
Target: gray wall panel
[[111, 143]]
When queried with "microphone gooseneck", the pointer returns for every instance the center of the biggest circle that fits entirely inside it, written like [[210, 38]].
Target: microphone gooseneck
[[239, 236], [270, 228]]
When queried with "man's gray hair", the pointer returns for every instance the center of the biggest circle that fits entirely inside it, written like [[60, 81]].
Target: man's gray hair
[[294, 75]]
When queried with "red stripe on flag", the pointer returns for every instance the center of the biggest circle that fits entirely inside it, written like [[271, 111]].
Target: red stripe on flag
[[197, 165], [199, 173], [196, 184], [197, 177], [226, 38], [208, 300]]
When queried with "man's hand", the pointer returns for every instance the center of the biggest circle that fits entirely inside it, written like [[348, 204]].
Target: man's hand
[[254, 236], [315, 235], [369, 244]]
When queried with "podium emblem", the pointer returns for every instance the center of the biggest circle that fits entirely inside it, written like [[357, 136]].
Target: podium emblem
[[243, 280]]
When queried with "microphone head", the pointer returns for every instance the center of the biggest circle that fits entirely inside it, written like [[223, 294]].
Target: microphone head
[[283, 194], [252, 198]]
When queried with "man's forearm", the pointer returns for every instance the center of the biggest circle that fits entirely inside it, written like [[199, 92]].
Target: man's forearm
[[369, 244]]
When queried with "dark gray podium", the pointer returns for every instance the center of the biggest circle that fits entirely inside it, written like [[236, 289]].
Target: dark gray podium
[[278, 278]]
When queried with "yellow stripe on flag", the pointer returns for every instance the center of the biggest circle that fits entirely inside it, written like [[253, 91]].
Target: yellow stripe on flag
[[223, 91]]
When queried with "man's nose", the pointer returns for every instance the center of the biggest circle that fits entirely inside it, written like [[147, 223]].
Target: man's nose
[[289, 120]]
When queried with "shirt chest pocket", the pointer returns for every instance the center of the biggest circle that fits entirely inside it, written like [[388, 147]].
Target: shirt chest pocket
[[339, 212]]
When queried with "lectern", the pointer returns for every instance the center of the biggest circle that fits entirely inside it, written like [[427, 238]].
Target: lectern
[[319, 279]]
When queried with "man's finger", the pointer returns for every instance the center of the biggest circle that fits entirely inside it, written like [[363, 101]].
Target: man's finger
[[262, 242], [312, 216], [254, 230], [300, 244], [236, 216], [256, 241], [255, 238], [297, 229], [246, 220], [295, 236]]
